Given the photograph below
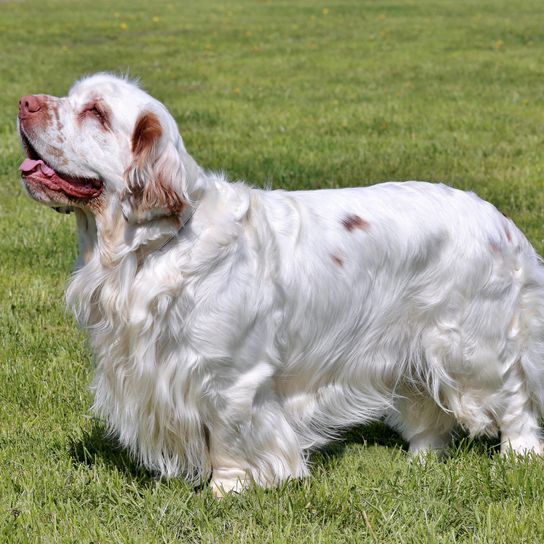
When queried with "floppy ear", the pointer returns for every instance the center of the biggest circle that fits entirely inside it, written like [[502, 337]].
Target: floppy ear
[[154, 180]]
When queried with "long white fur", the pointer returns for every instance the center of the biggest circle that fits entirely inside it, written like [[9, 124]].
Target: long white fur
[[274, 319]]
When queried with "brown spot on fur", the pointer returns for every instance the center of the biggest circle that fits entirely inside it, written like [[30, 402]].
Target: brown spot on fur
[[52, 151], [353, 221], [146, 133], [56, 118], [506, 226], [337, 260], [495, 246], [55, 110]]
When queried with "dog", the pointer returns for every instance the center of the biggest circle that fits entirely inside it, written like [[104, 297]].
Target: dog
[[235, 329]]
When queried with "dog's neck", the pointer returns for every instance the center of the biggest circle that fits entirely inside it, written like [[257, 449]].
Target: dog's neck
[[105, 234], [114, 254], [110, 239], [111, 254]]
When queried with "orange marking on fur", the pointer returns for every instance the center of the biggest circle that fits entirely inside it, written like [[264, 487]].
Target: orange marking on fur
[[157, 191], [54, 107], [352, 222], [161, 195], [146, 133]]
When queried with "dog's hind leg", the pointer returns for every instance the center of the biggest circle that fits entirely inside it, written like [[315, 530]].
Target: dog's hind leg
[[518, 421], [421, 422], [523, 384]]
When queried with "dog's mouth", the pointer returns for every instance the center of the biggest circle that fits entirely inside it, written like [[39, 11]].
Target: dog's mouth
[[36, 170]]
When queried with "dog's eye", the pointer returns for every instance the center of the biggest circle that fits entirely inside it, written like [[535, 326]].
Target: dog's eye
[[96, 111]]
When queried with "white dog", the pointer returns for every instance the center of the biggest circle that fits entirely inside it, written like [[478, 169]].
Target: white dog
[[234, 329]]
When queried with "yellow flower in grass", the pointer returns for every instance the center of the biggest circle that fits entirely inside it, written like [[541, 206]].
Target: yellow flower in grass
[[123, 26]]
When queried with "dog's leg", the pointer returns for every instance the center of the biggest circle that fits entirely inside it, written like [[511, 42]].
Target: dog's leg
[[522, 395], [262, 449], [422, 423], [518, 423], [228, 475]]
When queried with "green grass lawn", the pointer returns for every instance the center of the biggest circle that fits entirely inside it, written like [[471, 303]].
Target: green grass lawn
[[290, 94]]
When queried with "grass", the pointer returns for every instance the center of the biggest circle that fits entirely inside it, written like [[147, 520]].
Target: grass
[[293, 94]]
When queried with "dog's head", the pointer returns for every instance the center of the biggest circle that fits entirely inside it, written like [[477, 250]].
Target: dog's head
[[106, 143]]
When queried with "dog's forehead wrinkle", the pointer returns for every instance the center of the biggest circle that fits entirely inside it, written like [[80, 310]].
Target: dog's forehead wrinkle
[[116, 94]]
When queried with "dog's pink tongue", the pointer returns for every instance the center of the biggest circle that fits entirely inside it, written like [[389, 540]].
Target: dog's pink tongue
[[30, 165], [47, 170]]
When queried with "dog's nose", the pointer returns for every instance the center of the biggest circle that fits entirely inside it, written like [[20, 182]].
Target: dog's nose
[[30, 104]]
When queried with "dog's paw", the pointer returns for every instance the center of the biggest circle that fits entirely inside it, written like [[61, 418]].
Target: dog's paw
[[223, 486], [522, 445]]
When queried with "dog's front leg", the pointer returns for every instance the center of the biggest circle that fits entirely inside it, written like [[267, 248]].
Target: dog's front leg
[[229, 475], [263, 450], [250, 438]]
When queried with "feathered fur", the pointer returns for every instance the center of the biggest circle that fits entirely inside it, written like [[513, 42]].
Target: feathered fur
[[236, 331]]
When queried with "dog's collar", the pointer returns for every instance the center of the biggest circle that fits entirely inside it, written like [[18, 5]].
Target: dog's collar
[[185, 218], [150, 247]]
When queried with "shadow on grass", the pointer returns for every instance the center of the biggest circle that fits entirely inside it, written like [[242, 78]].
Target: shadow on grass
[[379, 434], [96, 446], [372, 434]]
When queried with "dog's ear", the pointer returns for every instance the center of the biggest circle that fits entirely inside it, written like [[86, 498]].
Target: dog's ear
[[154, 179]]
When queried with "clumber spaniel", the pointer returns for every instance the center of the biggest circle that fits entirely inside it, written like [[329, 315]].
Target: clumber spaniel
[[234, 329]]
